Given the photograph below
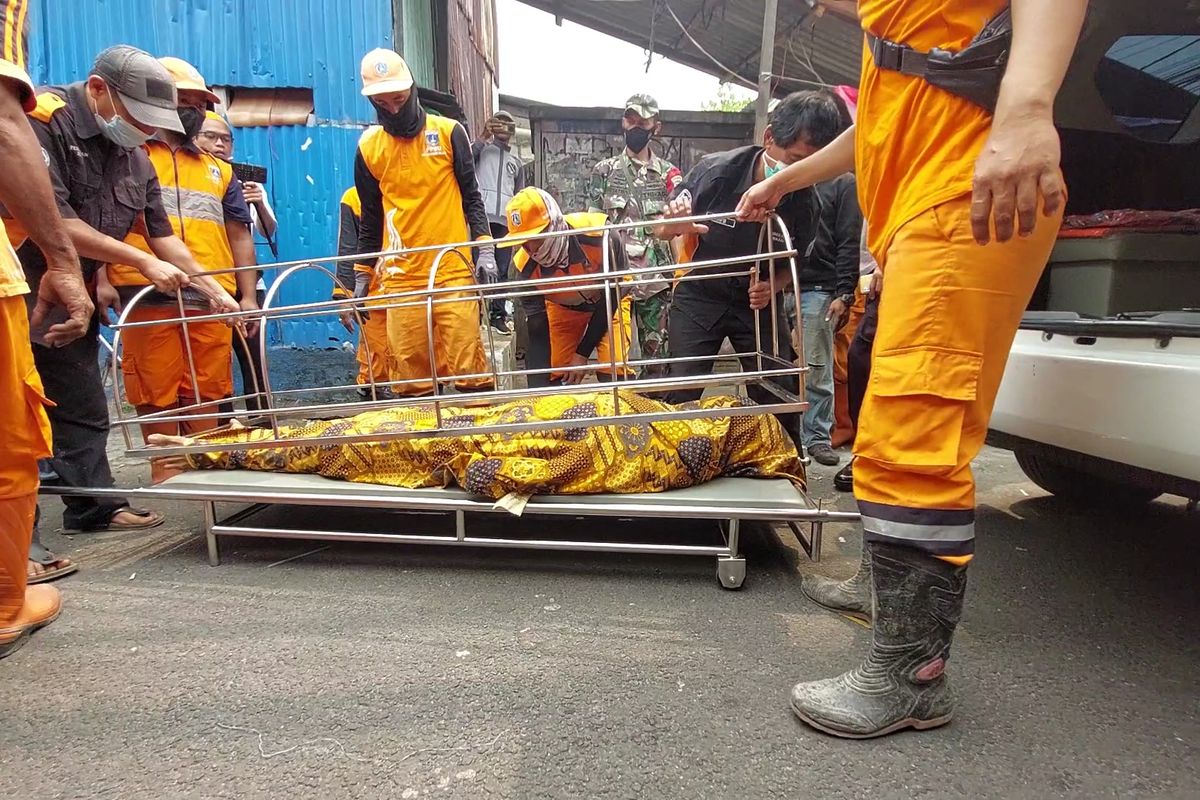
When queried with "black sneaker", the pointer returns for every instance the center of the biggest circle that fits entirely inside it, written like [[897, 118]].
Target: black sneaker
[[502, 325], [843, 480], [381, 392], [823, 454], [47, 476]]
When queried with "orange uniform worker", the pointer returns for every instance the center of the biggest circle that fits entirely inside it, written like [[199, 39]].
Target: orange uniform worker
[[209, 214], [374, 354], [578, 319], [415, 177], [944, 177], [24, 427]]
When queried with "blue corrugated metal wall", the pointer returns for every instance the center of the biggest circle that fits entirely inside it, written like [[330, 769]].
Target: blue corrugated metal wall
[[259, 43]]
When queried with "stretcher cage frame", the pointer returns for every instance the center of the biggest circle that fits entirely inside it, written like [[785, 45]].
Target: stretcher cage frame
[[729, 507]]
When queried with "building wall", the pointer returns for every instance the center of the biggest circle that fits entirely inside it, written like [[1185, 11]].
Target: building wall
[[315, 44]]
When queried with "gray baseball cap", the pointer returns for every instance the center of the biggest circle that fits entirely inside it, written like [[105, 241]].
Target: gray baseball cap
[[143, 84]]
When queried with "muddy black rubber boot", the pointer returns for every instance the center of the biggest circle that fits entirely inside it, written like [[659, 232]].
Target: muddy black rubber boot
[[851, 596], [917, 603]]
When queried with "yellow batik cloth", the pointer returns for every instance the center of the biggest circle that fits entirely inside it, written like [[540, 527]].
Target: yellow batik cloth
[[601, 458]]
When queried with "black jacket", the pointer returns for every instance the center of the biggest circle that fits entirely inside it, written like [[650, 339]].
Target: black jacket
[[716, 184], [106, 186], [833, 267]]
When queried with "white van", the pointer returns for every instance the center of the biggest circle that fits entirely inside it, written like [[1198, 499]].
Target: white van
[[1101, 399]]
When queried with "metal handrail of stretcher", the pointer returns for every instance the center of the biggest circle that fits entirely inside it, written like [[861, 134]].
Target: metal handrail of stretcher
[[769, 365]]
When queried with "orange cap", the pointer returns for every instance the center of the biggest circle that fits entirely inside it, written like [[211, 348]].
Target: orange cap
[[526, 215], [384, 71], [187, 77]]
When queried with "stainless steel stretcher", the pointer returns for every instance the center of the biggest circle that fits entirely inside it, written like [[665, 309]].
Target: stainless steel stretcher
[[727, 501]]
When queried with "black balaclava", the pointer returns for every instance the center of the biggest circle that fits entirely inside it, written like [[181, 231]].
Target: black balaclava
[[192, 120], [406, 123]]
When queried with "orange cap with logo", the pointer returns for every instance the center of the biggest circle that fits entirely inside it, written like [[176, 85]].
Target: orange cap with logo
[[384, 71], [526, 215], [187, 78]]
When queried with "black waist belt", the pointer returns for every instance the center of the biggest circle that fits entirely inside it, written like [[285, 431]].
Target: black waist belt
[[897, 57], [973, 73]]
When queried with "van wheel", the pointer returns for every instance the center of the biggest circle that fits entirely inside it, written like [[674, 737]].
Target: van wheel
[[1065, 475]]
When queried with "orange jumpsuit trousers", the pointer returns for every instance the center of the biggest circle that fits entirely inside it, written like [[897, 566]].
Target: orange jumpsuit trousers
[[374, 353], [25, 433], [946, 322]]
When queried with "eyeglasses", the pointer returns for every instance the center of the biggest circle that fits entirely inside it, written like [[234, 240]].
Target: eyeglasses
[[227, 138]]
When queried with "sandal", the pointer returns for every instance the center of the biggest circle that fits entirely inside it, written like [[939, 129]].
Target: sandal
[[148, 519], [55, 567]]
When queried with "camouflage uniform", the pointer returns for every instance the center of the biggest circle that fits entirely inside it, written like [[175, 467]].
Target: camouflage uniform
[[627, 191]]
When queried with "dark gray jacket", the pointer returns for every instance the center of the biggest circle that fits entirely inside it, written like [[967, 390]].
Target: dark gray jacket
[[500, 175]]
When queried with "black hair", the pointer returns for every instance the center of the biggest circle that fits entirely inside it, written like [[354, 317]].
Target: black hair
[[817, 116]]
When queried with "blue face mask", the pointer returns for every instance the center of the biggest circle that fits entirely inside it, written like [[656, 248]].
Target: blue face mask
[[121, 133], [770, 169]]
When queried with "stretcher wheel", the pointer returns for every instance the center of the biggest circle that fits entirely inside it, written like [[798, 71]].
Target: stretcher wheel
[[731, 572]]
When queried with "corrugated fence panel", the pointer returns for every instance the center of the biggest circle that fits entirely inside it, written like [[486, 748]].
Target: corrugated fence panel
[[259, 43], [308, 169], [472, 58], [416, 20]]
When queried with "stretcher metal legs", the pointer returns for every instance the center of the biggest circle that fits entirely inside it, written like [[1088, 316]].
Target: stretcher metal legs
[[210, 522], [731, 569], [731, 564], [811, 543]]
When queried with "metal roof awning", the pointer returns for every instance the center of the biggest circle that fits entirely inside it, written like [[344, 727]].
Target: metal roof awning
[[816, 43]]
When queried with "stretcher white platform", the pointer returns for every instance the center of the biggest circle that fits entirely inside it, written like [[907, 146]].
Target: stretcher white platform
[[727, 501]]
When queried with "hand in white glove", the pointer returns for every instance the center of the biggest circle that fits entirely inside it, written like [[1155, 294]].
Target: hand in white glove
[[350, 314], [486, 270]]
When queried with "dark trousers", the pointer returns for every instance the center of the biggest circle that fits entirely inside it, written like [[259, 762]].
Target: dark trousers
[[858, 358], [537, 348], [496, 309], [246, 360], [79, 421], [691, 339]]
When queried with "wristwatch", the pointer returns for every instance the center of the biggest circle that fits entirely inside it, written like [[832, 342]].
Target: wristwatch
[[847, 299]]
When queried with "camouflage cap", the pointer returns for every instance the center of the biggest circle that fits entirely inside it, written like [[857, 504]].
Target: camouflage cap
[[643, 105]]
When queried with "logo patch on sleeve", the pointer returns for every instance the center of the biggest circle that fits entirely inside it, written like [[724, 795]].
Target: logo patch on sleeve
[[433, 144]]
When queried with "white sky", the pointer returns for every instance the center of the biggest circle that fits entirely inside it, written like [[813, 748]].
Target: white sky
[[576, 66]]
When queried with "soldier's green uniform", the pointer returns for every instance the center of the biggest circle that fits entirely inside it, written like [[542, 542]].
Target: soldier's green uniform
[[628, 190]]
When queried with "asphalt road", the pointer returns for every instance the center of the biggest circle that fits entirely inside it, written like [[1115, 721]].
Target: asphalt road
[[395, 672]]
